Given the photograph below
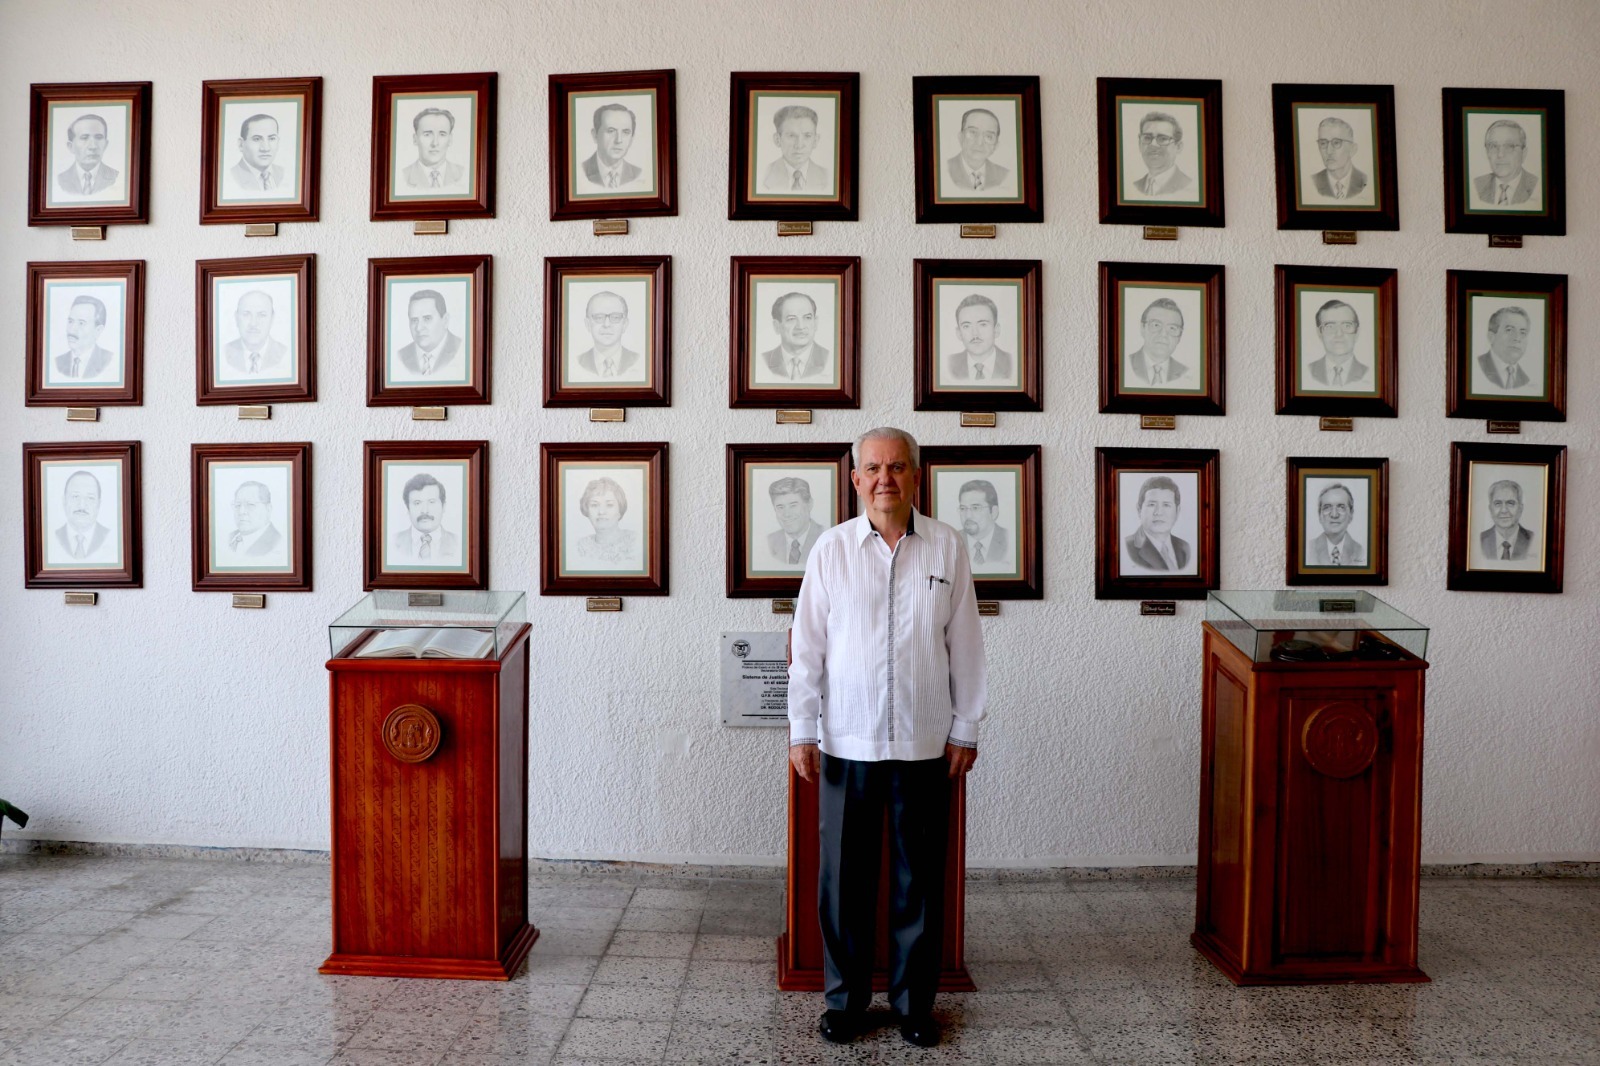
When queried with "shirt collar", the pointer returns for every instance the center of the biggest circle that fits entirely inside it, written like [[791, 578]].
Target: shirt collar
[[864, 528]]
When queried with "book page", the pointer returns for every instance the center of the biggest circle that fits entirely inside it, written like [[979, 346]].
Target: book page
[[459, 644], [395, 644]]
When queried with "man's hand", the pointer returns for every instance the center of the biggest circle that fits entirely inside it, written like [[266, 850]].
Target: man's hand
[[806, 760], [959, 758]]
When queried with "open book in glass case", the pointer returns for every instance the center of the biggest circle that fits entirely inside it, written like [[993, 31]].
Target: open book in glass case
[[1315, 626], [395, 623]]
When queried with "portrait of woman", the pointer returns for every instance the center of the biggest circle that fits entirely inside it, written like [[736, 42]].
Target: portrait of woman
[[610, 546]]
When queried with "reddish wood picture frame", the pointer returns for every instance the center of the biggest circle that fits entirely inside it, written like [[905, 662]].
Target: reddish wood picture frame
[[745, 200], [1110, 583], [1461, 158], [471, 458], [1469, 570], [306, 94], [1307, 560], [748, 365], [1475, 387], [1027, 205], [1150, 94], [645, 460], [1378, 283], [937, 389], [134, 206], [208, 272], [47, 556], [478, 199], [41, 392], [652, 383], [744, 578], [1378, 158], [476, 272], [1024, 528], [567, 146], [1120, 388], [207, 571]]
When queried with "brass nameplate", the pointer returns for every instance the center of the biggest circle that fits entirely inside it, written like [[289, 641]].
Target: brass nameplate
[[794, 229], [82, 599], [783, 607], [251, 600], [1336, 606], [430, 227], [1161, 233], [1158, 421], [988, 608], [88, 233], [424, 599], [982, 230], [1158, 608], [794, 417], [428, 414], [1338, 236], [608, 414], [978, 420], [1505, 240], [83, 414], [602, 603], [261, 229], [610, 227], [1329, 424], [259, 412], [1503, 425]]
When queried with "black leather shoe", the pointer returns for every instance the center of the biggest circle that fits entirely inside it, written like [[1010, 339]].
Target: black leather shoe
[[838, 1026], [923, 1031]]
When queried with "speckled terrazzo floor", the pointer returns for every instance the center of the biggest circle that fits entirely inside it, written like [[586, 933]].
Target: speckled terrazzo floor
[[172, 961]]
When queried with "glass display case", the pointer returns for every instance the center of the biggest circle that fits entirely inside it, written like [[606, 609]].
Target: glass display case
[[1315, 626], [420, 619]]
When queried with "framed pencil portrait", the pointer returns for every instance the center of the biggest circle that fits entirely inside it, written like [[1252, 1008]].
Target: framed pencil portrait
[[1156, 523], [796, 333], [81, 515], [425, 514], [608, 331], [793, 146], [1505, 161], [1508, 517], [979, 339], [255, 330], [991, 495], [1506, 347], [428, 336], [1337, 348], [781, 498], [250, 508], [978, 149], [613, 144], [433, 146], [1336, 521], [603, 519], [89, 154], [1160, 151], [260, 150], [85, 342], [1336, 160], [1162, 339]]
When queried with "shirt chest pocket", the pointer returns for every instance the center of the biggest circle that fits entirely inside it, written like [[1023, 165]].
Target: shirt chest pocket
[[934, 600]]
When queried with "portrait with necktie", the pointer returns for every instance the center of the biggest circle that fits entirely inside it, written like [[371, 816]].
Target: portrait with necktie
[[257, 175], [795, 174], [797, 319], [81, 514], [1156, 514], [425, 543], [432, 173], [89, 140], [982, 363], [792, 503], [255, 355], [82, 540], [85, 361], [1337, 521]]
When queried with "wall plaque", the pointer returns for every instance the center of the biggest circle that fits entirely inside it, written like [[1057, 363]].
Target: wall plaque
[[430, 227], [980, 230], [261, 229], [610, 227], [1503, 425], [1338, 236], [1505, 240], [755, 679], [1330, 424], [1158, 608], [1161, 233], [794, 229], [978, 420]]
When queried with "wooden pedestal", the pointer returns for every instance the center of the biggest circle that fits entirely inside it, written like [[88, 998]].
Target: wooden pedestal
[[1310, 818], [430, 850], [800, 945]]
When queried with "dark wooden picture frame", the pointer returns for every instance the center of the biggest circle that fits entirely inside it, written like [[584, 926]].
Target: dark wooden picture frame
[[1361, 142], [1015, 522], [47, 369], [949, 294], [50, 549], [1193, 106], [945, 191], [238, 470], [752, 489], [762, 284], [223, 188], [1307, 386], [602, 284], [1481, 384], [1185, 382], [474, 168], [1470, 195], [771, 109], [574, 193], [1476, 509], [296, 272], [1312, 487], [383, 488], [1118, 536], [50, 201], [476, 272], [603, 467]]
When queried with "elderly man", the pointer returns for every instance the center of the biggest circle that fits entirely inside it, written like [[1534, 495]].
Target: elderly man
[[1161, 326], [258, 147], [82, 536], [1339, 179], [969, 169], [1508, 539], [977, 319], [1334, 546], [1508, 183], [886, 690], [254, 351], [84, 358], [253, 533], [432, 345], [797, 357], [605, 316], [88, 174], [1153, 546], [431, 132], [795, 135], [425, 540], [988, 542], [608, 166], [1160, 141], [1508, 340], [791, 543], [1338, 325]]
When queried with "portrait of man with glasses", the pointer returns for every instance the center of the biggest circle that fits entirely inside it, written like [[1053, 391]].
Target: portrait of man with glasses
[[605, 329], [1336, 512], [1338, 369], [605, 316], [1509, 185], [1160, 145], [1339, 181]]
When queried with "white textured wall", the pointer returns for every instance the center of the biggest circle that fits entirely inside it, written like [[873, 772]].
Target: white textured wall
[[164, 716]]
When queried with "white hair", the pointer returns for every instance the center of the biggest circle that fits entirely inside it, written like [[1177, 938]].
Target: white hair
[[886, 433]]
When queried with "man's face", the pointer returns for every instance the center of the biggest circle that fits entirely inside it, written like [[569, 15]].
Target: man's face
[[795, 139], [793, 511], [614, 136], [1334, 512], [429, 325], [606, 318], [605, 510], [1510, 339], [885, 479], [1337, 328], [82, 330], [1506, 508], [796, 322], [1159, 142], [1505, 147], [976, 324], [250, 514], [1337, 148], [432, 138], [254, 318], [425, 507], [977, 517], [87, 140], [979, 135], [259, 145], [83, 502], [1158, 511], [1162, 329]]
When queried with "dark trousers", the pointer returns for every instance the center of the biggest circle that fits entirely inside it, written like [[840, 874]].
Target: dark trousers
[[852, 800]]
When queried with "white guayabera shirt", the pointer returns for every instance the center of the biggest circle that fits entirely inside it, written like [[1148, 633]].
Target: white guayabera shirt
[[888, 653]]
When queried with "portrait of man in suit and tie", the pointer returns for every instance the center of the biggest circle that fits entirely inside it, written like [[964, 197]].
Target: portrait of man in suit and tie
[[84, 360], [972, 173], [1151, 365], [1337, 328], [1160, 146], [81, 539], [607, 169], [90, 176], [425, 541], [1157, 507], [795, 172], [605, 317], [989, 544], [1501, 368], [1508, 544], [1336, 513], [432, 172], [1509, 185], [1339, 181], [435, 351], [254, 534], [257, 173], [255, 353], [790, 544], [797, 357], [981, 361]]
